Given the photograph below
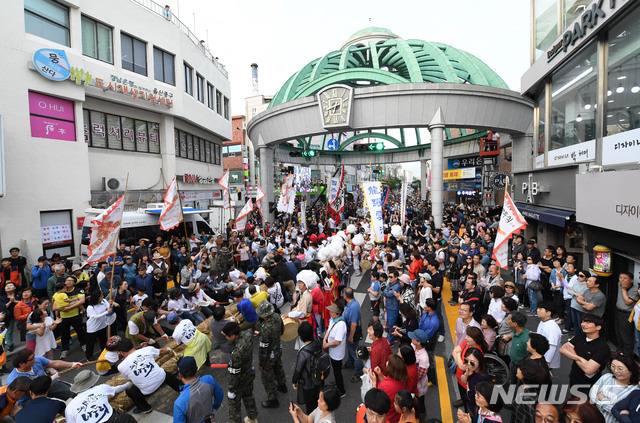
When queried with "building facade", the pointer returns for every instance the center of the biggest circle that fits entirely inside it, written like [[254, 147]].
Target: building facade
[[96, 92], [575, 179]]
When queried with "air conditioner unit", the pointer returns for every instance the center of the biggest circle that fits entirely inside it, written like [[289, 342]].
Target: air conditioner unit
[[114, 184]]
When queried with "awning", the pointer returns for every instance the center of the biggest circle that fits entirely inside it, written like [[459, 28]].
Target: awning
[[544, 214], [185, 210]]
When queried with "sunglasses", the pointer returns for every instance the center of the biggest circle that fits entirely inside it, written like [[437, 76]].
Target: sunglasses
[[582, 276], [470, 363]]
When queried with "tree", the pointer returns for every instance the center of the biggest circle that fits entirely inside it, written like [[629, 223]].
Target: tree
[[394, 183]]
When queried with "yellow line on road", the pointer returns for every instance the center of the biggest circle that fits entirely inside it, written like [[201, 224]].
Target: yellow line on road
[[443, 390]]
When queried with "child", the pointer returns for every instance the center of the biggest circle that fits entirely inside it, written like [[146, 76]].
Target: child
[[60, 298], [374, 295], [43, 326], [139, 297], [363, 355], [424, 290], [403, 404]]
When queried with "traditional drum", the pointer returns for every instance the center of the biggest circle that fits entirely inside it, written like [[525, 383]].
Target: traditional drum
[[365, 265], [290, 329]]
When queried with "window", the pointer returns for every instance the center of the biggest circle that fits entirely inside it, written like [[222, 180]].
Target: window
[[219, 102], [573, 95], [56, 230], [546, 25], [232, 150], [191, 147], [542, 110], [210, 98], [114, 132], [200, 88], [47, 19], [623, 95], [226, 108], [188, 79], [96, 40], [134, 54], [163, 66]]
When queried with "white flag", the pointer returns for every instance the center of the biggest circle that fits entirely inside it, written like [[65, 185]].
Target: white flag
[[259, 196], [285, 195], [373, 198], [510, 221], [224, 184], [171, 214], [241, 221], [105, 231]]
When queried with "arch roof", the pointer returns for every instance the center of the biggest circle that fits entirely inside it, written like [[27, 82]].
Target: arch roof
[[386, 59]]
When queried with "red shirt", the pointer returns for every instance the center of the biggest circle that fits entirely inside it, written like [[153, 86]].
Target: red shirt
[[380, 352], [413, 379], [459, 371], [391, 388], [318, 300]]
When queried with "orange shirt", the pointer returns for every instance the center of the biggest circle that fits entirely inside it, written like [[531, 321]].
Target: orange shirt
[[6, 400]]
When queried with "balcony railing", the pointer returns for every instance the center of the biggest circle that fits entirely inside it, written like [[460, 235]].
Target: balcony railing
[[160, 10]]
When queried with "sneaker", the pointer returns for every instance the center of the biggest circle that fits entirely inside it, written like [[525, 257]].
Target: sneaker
[[532, 315], [137, 410], [440, 338], [64, 354], [84, 348], [430, 384], [565, 331], [10, 348], [343, 395]]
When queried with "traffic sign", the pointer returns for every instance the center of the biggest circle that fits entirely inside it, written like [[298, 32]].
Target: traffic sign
[[499, 180], [332, 144]]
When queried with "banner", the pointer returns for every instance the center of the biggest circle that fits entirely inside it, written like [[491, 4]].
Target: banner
[[511, 220], [336, 195], [241, 221], [373, 198], [303, 215], [171, 214], [405, 186], [385, 194], [224, 184], [285, 195], [105, 231], [259, 196]]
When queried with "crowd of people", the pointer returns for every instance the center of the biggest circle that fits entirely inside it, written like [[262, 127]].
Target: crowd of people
[[274, 275]]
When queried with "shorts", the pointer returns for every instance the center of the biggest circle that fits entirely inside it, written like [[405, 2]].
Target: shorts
[[375, 307]]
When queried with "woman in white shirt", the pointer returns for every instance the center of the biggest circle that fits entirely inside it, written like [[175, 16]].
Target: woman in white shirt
[[532, 274], [613, 387], [335, 341], [97, 322], [181, 306], [328, 402]]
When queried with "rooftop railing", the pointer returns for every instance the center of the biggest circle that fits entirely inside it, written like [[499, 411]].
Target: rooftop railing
[[168, 15]]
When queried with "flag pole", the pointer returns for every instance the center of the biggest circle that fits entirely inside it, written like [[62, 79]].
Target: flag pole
[[184, 224], [113, 258]]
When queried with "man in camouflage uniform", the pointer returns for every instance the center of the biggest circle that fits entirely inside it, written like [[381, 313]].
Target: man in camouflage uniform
[[221, 264], [242, 374], [270, 358]]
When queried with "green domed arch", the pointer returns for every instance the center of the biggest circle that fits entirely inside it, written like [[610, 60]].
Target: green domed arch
[[389, 60]]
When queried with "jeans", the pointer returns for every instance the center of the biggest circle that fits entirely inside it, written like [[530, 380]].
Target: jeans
[[138, 397], [195, 318], [533, 300], [568, 320], [576, 317], [392, 319], [352, 357], [440, 319], [431, 350]]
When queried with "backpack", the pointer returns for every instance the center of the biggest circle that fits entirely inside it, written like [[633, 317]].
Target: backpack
[[319, 366]]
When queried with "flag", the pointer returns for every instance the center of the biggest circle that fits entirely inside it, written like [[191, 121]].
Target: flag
[[303, 216], [259, 196], [385, 195], [224, 184], [403, 201], [336, 195], [373, 199], [171, 214], [241, 221], [285, 195], [511, 220], [105, 231]]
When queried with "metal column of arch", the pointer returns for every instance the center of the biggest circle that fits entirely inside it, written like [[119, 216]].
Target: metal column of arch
[[423, 180], [266, 180], [436, 127]]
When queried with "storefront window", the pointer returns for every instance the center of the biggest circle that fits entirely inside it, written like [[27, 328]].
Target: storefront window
[[573, 100], [542, 113], [623, 95], [546, 28]]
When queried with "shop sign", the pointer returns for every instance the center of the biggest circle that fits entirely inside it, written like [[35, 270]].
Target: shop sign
[[588, 20], [45, 62], [51, 117], [189, 178], [466, 173], [43, 127], [499, 180], [200, 195], [459, 186], [52, 64], [464, 162], [530, 189], [577, 153], [604, 199], [621, 148], [540, 161]]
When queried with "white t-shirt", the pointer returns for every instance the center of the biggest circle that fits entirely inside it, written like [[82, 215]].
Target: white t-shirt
[[275, 295], [316, 415], [138, 299], [184, 332], [235, 277], [97, 316], [141, 368], [495, 309], [178, 305], [337, 332], [552, 332], [91, 406]]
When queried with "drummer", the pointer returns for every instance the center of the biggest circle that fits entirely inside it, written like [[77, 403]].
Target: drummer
[[307, 280]]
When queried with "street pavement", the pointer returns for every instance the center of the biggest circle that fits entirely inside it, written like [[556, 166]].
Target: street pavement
[[438, 399]]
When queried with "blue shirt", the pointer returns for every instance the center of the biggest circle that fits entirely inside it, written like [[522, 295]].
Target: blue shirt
[[146, 281], [40, 276], [39, 369], [248, 312], [351, 314], [41, 409], [392, 302], [181, 406], [429, 323]]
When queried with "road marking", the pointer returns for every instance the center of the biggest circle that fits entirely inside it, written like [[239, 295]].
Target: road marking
[[450, 311], [443, 390]]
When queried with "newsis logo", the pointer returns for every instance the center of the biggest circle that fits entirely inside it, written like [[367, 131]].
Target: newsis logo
[[532, 394]]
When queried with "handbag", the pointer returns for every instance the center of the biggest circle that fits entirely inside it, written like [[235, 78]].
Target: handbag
[[535, 285], [452, 365]]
